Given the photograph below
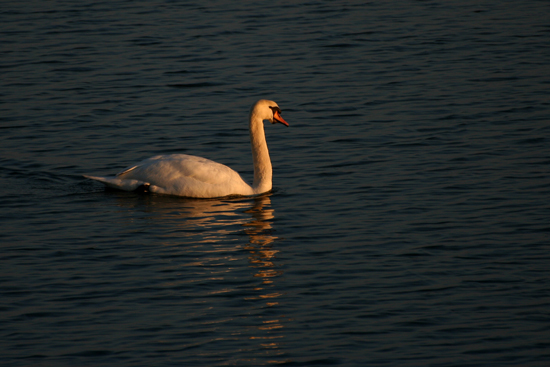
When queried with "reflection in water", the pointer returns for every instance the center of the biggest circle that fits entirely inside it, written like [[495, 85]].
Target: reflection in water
[[261, 243], [262, 258], [208, 220], [212, 232]]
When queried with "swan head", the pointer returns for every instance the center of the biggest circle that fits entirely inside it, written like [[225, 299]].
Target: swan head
[[267, 110]]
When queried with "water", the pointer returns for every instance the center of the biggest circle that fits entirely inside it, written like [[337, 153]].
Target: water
[[409, 219]]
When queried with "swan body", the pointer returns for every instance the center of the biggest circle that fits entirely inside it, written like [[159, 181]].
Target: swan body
[[197, 177]]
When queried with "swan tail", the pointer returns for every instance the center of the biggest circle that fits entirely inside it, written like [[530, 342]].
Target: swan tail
[[117, 183]]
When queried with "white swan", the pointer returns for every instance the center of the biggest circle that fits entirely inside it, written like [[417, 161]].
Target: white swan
[[190, 176]]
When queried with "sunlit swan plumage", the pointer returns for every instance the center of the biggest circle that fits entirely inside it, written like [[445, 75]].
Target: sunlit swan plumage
[[191, 176]]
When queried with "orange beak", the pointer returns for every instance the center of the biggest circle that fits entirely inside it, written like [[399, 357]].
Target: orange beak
[[277, 117]]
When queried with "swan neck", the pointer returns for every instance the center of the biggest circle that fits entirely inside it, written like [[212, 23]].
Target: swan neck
[[260, 155]]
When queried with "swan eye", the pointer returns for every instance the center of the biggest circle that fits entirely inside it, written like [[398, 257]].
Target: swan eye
[[275, 109]]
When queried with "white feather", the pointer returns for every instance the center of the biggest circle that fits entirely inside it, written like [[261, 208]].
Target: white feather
[[191, 176]]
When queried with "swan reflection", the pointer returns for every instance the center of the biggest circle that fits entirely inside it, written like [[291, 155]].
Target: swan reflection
[[260, 246], [209, 239]]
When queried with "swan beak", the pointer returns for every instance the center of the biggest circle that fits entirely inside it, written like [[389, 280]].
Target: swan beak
[[277, 118]]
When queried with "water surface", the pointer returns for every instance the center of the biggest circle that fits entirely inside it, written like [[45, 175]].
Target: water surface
[[408, 224]]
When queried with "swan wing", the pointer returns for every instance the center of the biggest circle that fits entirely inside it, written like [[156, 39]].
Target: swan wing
[[126, 170], [186, 175]]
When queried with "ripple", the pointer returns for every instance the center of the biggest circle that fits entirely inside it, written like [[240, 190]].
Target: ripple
[[408, 224]]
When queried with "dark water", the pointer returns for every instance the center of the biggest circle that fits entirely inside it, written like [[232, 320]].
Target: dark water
[[409, 224]]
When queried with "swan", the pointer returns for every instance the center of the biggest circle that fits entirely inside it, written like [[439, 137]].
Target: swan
[[197, 177]]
